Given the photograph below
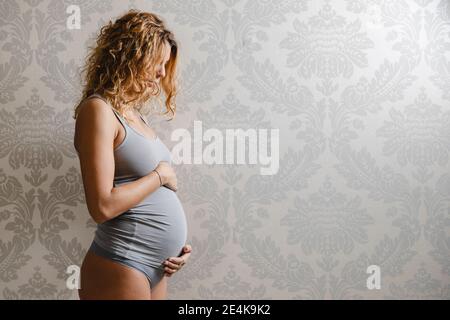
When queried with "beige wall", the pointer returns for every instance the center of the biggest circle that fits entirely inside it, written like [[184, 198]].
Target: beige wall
[[359, 91]]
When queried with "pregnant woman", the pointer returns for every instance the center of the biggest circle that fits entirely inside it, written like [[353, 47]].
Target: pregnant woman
[[127, 171]]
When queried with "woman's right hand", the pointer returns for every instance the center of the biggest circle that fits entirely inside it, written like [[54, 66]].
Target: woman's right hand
[[168, 176]]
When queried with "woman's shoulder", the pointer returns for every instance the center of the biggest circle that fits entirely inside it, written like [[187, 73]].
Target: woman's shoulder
[[94, 106], [95, 115]]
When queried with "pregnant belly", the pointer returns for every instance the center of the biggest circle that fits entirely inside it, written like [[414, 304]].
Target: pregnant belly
[[150, 232]]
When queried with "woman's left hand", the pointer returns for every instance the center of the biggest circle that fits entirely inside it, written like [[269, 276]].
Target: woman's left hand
[[174, 264]]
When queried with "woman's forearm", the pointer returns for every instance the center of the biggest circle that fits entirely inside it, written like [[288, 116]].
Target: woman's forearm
[[128, 195]]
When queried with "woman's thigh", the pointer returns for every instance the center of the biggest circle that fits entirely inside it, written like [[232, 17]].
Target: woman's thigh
[[105, 279], [159, 292]]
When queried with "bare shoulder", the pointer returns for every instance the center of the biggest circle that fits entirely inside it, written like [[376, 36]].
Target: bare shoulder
[[94, 116], [94, 107]]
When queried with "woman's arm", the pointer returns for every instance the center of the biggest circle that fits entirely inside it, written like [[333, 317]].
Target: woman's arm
[[95, 131]]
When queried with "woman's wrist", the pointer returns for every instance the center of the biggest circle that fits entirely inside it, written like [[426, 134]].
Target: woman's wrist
[[159, 177]]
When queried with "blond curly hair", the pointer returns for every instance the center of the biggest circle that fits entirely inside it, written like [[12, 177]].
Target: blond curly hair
[[122, 66]]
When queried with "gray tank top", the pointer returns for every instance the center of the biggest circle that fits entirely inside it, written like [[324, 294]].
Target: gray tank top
[[154, 229]]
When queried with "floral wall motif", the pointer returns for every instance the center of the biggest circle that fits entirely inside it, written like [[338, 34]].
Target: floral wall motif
[[360, 92]]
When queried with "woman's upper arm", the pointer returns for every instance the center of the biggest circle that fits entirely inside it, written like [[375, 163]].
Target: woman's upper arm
[[94, 136]]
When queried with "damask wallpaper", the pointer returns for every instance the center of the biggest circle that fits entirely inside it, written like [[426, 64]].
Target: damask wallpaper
[[359, 204]]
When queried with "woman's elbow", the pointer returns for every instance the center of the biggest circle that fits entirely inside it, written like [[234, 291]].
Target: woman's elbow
[[99, 213], [99, 218]]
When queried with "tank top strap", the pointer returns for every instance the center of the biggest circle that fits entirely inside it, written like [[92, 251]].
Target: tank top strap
[[144, 119], [121, 119]]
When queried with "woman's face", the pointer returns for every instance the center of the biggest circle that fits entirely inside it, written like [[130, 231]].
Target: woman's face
[[161, 69]]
